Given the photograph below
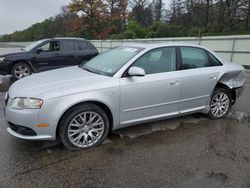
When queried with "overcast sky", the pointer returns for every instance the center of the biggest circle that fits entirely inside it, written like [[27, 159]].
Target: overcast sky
[[17, 15]]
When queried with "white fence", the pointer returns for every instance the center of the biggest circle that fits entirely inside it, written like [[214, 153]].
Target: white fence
[[234, 48], [231, 48]]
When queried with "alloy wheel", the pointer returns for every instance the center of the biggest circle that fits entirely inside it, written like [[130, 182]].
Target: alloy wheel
[[220, 104], [21, 71], [86, 129]]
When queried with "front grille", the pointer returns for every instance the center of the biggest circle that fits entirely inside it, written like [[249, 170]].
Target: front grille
[[22, 130]]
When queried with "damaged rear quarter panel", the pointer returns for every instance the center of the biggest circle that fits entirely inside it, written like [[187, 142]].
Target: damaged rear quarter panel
[[232, 75]]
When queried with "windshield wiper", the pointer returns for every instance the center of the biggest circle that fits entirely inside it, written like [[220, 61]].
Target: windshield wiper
[[90, 70], [93, 71]]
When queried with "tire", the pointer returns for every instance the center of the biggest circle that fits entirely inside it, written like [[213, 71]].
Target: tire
[[21, 70], [220, 104], [77, 131]]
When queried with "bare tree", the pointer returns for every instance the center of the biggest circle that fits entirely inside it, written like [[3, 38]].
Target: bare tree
[[158, 10]]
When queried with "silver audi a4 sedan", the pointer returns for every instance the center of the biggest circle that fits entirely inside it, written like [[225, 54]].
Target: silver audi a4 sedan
[[123, 86]]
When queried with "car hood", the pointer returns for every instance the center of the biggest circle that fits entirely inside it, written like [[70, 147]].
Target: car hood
[[15, 53], [60, 82]]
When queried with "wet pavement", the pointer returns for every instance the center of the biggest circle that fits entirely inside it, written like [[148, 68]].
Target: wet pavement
[[190, 151]]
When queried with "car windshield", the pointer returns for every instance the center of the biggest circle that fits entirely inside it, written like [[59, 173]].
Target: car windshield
[[32, 45], [110, 61]]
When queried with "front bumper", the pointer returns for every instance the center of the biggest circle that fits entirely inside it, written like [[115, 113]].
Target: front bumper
[[4, 67], [38, 137], [23, 124], [22, 130]]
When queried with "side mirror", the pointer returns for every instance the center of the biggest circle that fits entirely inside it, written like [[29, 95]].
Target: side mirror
[[39, 50], [136, 71]]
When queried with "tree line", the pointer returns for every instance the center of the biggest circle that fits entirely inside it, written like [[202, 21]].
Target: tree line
[[121, 19]]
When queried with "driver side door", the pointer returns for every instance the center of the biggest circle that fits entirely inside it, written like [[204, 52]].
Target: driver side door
[[155, 95], [48, 56]]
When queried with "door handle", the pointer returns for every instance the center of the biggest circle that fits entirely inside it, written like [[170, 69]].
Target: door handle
[[175, 82], [213, 76]]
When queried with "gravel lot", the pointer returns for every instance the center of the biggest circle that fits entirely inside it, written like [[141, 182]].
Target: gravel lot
[[190, 151]]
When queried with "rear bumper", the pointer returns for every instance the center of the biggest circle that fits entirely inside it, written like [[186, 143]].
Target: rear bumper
[[239, 92]]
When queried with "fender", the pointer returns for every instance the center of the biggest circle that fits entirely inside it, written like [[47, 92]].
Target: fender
[[233, 79], [22, 61], [61, 104]]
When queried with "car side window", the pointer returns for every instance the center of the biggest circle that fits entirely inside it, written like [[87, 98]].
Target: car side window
[[193, 58], [158, 60], [50, 46], [80, 45], [213, 61], [68, 45]]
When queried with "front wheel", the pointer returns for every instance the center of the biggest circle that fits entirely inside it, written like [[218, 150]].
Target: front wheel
[[220, 104], [83, 127], [20, 70]]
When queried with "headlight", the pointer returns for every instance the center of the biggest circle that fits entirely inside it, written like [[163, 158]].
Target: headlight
[[6, 96], [26, 103], [2, 58]]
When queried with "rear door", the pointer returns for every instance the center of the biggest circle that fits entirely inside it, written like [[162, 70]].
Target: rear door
[[155, 95], [69, 52], [198, 79]]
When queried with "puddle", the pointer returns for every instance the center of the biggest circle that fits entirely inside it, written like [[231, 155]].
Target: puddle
[[218, 176], [145, 129], [163, 125], [136, 131]]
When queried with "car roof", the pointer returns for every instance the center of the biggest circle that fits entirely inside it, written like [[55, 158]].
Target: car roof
[[69, 38], [66, 38], [153, 45]]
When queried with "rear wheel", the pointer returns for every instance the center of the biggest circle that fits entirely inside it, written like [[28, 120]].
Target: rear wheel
[[83, 127], [220, 104], [20, 70]]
